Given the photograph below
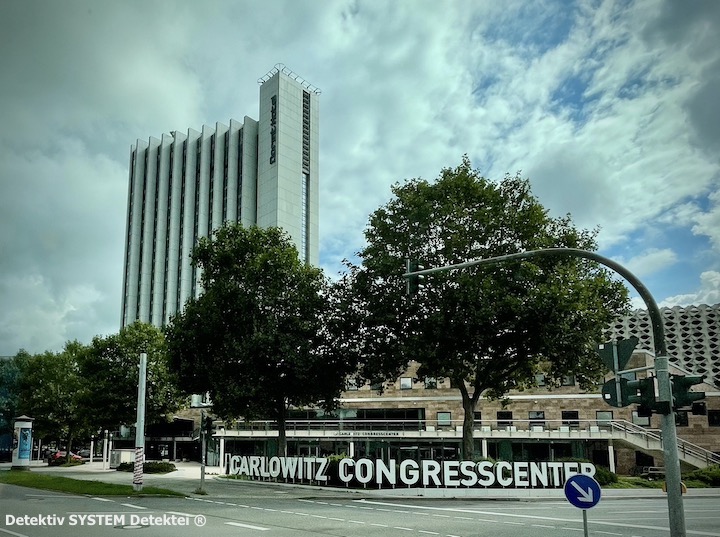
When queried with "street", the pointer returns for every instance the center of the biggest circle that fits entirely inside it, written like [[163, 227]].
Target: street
[[293, 512]]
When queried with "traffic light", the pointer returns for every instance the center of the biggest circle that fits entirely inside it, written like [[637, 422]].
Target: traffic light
[[208, 426], [615, 392], [682, 396], [642, 392], [414, 281]]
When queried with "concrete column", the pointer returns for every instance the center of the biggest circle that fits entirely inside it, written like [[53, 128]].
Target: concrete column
[[611, 456]]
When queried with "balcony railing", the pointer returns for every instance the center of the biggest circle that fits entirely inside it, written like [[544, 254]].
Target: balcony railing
[[428, 425]]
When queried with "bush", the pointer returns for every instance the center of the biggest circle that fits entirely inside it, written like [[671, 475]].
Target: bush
[[710, 476], [604, 476], [148, 467]]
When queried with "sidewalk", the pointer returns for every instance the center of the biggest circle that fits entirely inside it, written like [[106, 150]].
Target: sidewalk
[[187, 479]]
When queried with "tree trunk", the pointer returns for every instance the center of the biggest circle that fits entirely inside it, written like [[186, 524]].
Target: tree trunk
[[69, 447], [467, 448], [468, 441]]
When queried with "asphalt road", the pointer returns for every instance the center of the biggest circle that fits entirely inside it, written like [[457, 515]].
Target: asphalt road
[[252, 510]]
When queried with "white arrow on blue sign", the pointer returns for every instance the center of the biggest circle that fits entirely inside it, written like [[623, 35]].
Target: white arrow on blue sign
[[582, 491]]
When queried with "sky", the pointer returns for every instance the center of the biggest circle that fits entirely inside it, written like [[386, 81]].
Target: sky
[[609, 108]]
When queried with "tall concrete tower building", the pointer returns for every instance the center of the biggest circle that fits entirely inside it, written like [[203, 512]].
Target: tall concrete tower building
[[183, 186]]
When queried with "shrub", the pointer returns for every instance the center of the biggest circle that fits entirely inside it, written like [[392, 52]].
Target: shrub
[[709, 476], [148, 467], [604, 476]]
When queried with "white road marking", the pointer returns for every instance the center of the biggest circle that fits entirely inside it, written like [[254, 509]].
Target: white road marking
[[13, 533], [248, 526], [534, 517], [179, 514], [133, 506]]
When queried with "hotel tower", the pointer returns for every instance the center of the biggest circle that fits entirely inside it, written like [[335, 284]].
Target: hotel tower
[[183, 186]]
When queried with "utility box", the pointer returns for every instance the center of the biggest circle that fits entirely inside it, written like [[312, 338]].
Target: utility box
[[119, 456]]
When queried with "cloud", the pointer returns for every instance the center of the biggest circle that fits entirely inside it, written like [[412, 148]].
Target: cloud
[[708, 222], [708, 293], [606, 106], [649, 262]]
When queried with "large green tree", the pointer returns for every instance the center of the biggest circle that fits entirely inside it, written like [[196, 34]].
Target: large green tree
[[490, 329], [110, 368], [50, 390], [254, 338]]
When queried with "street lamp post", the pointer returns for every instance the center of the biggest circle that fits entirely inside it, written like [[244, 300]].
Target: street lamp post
[[676, 512]]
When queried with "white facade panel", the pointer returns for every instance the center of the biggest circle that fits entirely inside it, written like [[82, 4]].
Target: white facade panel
[[233, 147], [161, 232], [248, 179], [174, 204], [218, 178], [189, 212], [147, 230]]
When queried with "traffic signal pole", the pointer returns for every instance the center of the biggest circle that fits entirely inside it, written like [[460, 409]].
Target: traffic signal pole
[[203, 450], [676, 513]]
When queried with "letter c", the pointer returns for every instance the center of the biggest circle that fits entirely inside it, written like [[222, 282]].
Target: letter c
[[345, 475]]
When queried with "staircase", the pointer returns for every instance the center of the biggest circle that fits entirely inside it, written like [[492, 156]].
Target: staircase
[[648, 440]]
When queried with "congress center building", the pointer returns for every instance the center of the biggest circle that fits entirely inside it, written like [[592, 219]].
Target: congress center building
[[423, 421]]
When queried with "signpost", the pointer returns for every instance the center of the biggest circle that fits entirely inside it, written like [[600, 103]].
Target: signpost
[[583, 492]]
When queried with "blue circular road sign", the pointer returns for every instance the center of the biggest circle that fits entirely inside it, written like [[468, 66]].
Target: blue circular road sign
[[582, 491]]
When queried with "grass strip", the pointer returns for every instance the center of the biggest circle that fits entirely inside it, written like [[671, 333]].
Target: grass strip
[[77, 486]]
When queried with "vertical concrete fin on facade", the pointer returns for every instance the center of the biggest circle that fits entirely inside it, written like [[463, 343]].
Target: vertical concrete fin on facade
[[189, 215], [248, 177], [203, 187], [218, 172], [135, 204], [148, 229], [174, 208], [128, 230], [161, 230], [232, 212]]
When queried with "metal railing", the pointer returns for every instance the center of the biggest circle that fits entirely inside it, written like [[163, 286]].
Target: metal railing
[[652, 439], [641, 437], [427, 425]]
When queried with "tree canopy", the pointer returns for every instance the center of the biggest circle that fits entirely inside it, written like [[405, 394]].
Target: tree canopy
[[85, 388], [254, 338], [50, 389], [110, 369], [488, 329]]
